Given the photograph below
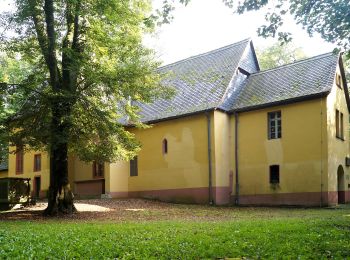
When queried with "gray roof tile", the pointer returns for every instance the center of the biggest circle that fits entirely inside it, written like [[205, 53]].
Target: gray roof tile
[[200, 82], [211, 80], [303, 78]]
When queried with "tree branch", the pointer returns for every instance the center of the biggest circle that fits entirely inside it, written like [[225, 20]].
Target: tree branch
[[66, 55], [39, 28], [51, 47]]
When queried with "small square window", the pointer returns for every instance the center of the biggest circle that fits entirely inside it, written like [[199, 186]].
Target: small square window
[[274, 174]]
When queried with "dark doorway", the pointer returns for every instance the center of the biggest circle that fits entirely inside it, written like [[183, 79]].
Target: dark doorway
[[341, 185], [37, 187]]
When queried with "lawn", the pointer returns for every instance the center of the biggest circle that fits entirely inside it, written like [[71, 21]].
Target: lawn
[[169, 231]]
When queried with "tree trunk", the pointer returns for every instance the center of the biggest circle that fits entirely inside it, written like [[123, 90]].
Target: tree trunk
[[60, 196]]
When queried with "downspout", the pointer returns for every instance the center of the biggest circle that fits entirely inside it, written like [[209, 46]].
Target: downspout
[[236, 160], [210, 185], [321, 199]]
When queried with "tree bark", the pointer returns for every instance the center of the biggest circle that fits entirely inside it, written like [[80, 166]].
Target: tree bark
[[60, 196]]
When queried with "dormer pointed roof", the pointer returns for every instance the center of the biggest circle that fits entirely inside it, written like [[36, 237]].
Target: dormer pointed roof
[[200, 82]]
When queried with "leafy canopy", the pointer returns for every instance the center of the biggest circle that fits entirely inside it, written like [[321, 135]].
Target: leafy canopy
[[329, 18], [278, 55], [85, 67]]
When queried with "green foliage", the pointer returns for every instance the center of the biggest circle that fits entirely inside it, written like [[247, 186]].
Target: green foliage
[[83, 70], [12, 69], [329, 18], [277, 55], [319, 236], [347, 67]]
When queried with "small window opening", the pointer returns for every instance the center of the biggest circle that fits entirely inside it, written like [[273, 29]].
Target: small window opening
[[19, 160], [98, 169], [165, 146], [37, 162], [338, 80], [274, 174], [133, 167], [339, 124]]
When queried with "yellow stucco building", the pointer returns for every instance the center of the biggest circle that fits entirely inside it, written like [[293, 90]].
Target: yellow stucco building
[[231, 134]]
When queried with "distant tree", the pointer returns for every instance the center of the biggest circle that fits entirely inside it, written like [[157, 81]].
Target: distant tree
[[329, 18], [347, 68], [277, 55], [86, 63], [12, 70]]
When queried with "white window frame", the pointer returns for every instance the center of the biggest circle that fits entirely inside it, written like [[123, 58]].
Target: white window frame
[[277, 118]]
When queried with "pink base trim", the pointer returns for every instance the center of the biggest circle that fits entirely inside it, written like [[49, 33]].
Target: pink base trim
[[222, 196], [297, 199], [189, 195]]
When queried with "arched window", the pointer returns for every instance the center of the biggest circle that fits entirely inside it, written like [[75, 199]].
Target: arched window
[[165, 146]]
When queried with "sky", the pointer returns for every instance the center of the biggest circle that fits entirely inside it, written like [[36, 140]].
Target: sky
[[205, 25]]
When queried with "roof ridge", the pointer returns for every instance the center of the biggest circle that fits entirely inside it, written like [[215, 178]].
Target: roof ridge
[[294, 63], [205, 53]]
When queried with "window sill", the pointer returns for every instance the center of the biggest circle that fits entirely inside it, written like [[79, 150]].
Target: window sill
[[98, 177], [340, 138]]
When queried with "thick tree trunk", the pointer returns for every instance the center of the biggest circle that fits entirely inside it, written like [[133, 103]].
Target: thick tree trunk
[[60, 196]]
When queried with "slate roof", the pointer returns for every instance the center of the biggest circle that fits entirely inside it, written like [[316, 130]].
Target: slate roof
[[212, 81], [200, 82], [309, 77]]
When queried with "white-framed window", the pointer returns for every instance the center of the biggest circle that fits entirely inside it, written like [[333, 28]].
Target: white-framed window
[[274, 125], [339, 124]]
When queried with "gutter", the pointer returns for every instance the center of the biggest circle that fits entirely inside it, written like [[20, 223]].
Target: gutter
[[236, 160], [210, 184], [281, 102], [154, 121]]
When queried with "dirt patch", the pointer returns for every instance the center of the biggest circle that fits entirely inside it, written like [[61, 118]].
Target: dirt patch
[[123, 210], [139, 210]]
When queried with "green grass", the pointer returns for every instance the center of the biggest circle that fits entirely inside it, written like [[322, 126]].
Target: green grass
[[316, 234]]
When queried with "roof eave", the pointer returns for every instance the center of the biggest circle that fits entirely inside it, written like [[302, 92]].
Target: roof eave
[[179, 116], [281, 102]]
